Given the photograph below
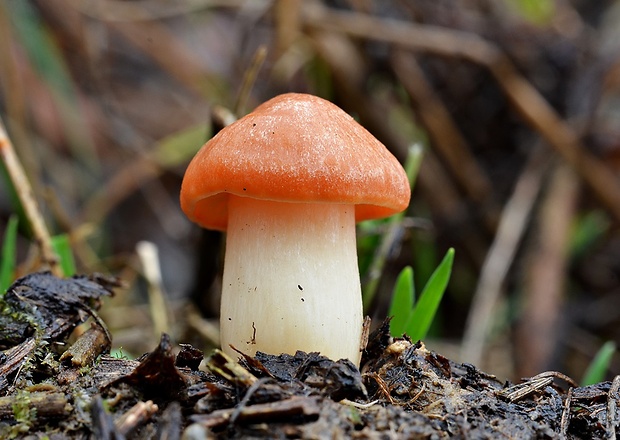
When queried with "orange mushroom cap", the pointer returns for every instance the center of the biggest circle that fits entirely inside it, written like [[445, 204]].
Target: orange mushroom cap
[[294, 148]]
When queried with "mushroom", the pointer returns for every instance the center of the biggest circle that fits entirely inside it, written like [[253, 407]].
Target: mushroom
[[288, 183]]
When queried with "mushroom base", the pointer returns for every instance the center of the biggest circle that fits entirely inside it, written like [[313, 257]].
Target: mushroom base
[[291, 280]]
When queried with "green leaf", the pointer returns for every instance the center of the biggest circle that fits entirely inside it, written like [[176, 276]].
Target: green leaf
[[431, 296], [62, 247], [181, 146], [597, 369], [403, 298], [536, 11], [9, 249]]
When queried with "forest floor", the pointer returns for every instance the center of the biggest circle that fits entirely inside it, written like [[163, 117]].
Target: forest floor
[[53, 388]]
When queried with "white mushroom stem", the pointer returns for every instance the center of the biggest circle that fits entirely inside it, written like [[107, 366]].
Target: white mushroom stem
[[291, 280]]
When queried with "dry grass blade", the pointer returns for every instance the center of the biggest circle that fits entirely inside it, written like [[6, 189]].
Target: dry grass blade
[[28, 201], [287, 21], [500, 257], [149, 259], [135, 417], [546, 273], [249, 79]]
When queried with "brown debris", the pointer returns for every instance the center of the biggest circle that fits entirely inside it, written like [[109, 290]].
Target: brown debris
[[44, 309], [156, 375], [189, 357], [52, 307], [405, 391], [88, 347], [12, 359], [300, 409], [46, 404], [139, 414]]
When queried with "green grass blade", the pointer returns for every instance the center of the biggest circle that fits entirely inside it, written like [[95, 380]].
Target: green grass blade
[[599, 366], [9, 249], [587, 231], [62, 246], [403, 298], [181, 146], [426, 308], [415, 154], [393, 226]]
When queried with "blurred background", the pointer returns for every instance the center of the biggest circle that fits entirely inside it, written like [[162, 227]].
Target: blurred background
[[516, 104]]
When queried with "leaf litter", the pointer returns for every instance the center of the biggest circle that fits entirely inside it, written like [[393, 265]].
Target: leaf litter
[[51, 387]]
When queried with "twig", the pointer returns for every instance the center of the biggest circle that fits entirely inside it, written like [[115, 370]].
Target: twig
[[296, 407], [424, 38], [383, 386], [538, 382], [15, 358], [565, 420], [246, 398], [499, 258], [28, 201], [123, 11], [149, 257], [88, 347], [136, 416], [359, 405], [612, 407], [518, 392]]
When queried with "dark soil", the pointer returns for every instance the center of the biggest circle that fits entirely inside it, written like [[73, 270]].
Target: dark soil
[[51, 388]]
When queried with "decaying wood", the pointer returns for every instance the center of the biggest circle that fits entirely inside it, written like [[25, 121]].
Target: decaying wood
[[87, 347], [12, 359], [222, 365], [139, 414], [299, 408], [46, 404], [534, 384], [612, 408]]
